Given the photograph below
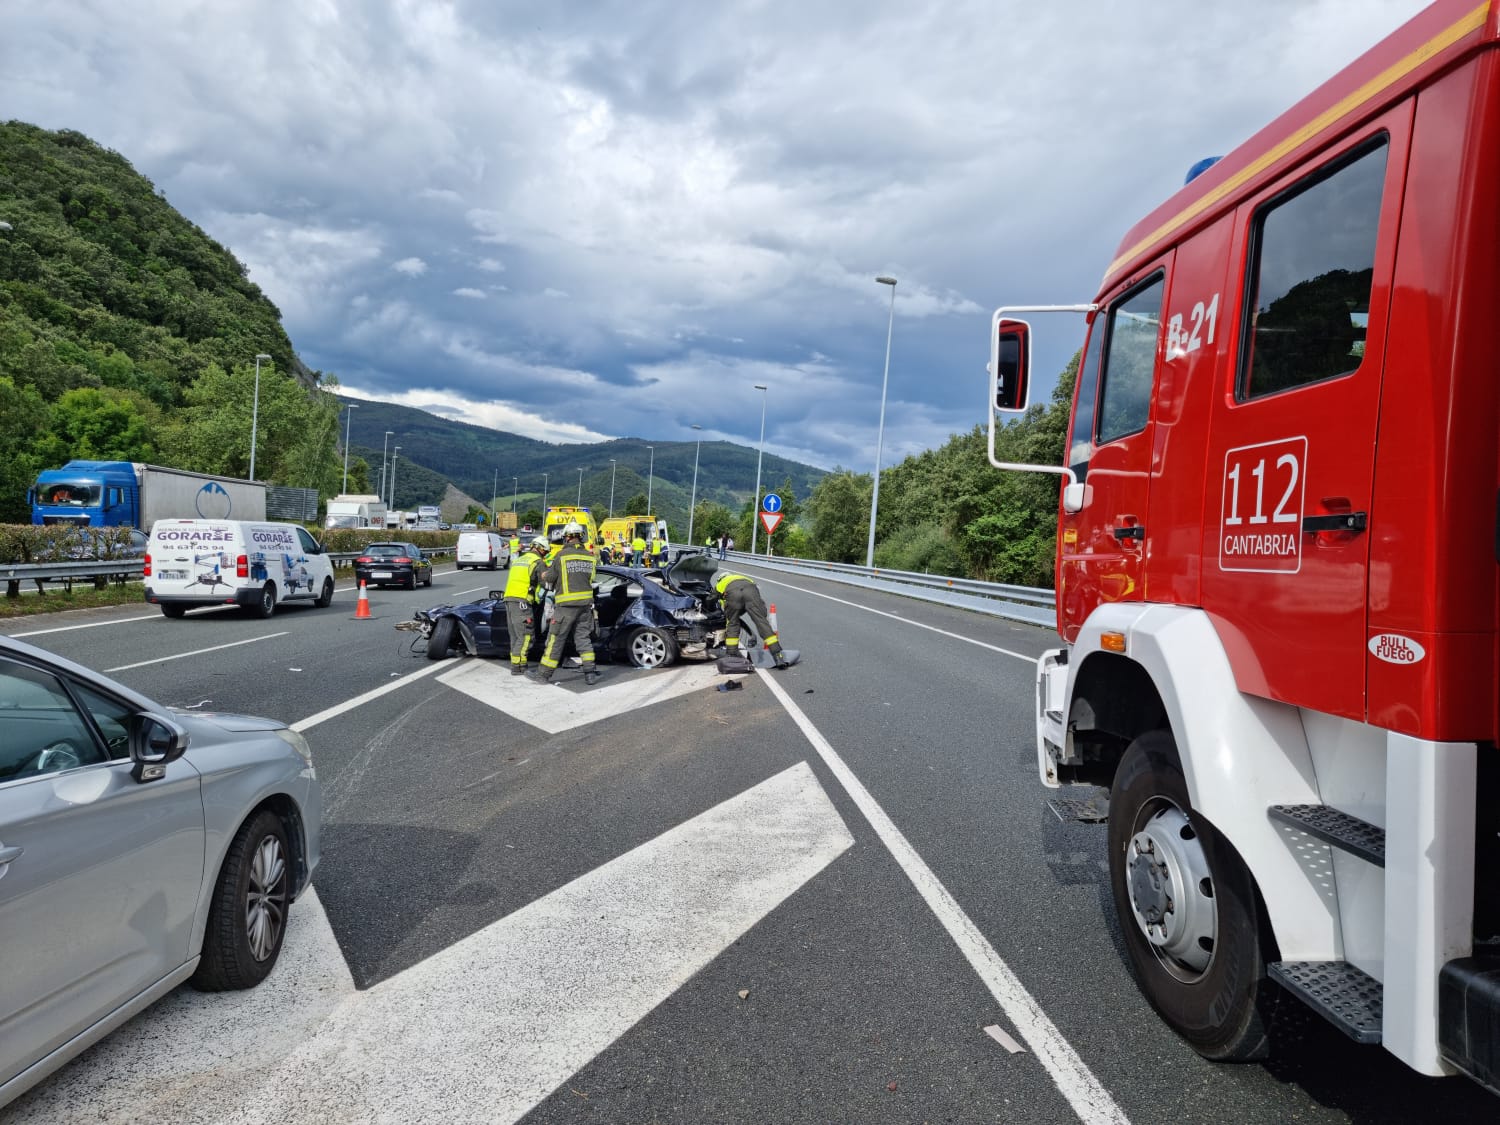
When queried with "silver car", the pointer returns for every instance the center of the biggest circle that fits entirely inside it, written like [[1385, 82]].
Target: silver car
[[139, 848]]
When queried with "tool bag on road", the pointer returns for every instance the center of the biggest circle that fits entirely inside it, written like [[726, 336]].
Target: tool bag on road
[[735, 665]]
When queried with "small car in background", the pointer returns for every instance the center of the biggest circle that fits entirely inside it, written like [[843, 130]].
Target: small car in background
[[393, 564], [140, 847]]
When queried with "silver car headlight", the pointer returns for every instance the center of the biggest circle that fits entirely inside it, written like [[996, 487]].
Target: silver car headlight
[[296, 742]]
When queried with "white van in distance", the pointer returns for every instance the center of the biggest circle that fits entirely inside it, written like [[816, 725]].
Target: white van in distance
[[482, 549], [233, 562]]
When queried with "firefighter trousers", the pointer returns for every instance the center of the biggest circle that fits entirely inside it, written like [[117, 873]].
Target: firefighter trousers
[[744, 598], [577, 622], [519, 616]]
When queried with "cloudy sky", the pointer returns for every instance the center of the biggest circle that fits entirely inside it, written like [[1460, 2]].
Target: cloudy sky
[[586, 220]]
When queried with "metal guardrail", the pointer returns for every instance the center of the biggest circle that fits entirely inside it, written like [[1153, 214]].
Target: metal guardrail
[[13, 574], [1030, 604]]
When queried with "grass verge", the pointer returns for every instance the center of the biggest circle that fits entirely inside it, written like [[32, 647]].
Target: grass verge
[[56, 599]]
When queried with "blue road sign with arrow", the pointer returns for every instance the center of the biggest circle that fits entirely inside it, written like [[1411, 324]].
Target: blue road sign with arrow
[[772, 502]]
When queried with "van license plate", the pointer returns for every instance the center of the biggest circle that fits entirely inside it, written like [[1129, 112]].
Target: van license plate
[[172, 575], [380, 574]]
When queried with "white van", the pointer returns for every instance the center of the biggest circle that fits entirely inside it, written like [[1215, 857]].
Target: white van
[[233, 562], [482, 549]]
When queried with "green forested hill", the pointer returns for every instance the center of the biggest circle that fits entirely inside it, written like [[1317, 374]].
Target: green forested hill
[[126, 331]]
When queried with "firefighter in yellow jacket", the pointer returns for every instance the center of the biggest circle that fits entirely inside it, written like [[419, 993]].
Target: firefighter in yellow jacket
[[520, 601], [570, 576], [741, 596]]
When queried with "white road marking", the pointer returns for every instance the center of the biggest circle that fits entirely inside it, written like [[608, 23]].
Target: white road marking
[[903, 620], [360, 700], [89, 625], [192, 1053], [195, 652], [486, 1029], [1088, 1097], [555, 710]]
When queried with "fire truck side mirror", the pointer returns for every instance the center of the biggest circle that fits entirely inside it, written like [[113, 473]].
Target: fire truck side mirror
[[1010, 365]]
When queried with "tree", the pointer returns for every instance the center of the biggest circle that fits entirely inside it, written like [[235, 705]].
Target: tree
[[23, 415], [711, 520], [637, 505], [840, 511], [531, 517], [99, 424]]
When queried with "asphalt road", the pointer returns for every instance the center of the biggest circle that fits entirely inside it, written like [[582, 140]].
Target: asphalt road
[[804, 900]]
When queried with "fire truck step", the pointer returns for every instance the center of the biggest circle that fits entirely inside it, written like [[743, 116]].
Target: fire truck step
[[1083, 810], [1349, 833], [1469, 1017], [1346, 997]]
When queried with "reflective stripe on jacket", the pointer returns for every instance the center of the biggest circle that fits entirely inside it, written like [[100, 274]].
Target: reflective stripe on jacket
[[571, 575], [520, 580], [723, 580]]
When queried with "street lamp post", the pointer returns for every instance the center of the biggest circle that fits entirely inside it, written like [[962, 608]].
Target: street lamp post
[[348, 418], [395, 456], [384, 454], [650, 478], [755, 509], [255, 412], [880, 433], [693, 503], [544, 498], [613, 465], [494, 495], [515, 491], [579, 502]]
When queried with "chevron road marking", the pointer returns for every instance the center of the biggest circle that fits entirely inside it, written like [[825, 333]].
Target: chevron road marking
[[481, 1031], [486, 1029], [555, 709]]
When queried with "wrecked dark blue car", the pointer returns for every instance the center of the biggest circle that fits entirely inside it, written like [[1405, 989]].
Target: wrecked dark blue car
[[643, 616]]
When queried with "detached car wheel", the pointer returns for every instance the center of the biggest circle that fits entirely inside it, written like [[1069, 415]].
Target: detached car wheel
[[247, 917], [651, 648], [440, 644]]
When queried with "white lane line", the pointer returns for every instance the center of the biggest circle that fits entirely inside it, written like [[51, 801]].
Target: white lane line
[[903, 620], [195, 652], [486, 1029], [89, 625], [1088, 1097], [360, 700], [554, 710]]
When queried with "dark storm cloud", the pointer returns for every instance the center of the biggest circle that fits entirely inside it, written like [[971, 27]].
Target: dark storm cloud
[[580, 221]]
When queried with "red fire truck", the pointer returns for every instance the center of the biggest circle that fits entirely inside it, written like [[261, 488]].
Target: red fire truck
[[1277, 565]]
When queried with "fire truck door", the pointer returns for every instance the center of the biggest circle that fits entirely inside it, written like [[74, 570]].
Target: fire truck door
[[1291, 454], [1104, 546]]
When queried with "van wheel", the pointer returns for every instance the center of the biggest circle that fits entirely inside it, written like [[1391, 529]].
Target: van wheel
[[267, 603], [325, 599], [441, 641], [247, 917], [1188, 908], [170, 610], [651, 648]]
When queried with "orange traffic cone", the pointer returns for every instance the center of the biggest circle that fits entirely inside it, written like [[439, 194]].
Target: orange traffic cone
[[363, 609], [774, 629]]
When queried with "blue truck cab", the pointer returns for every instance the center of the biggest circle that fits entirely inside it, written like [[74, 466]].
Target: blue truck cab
[[88, 494]]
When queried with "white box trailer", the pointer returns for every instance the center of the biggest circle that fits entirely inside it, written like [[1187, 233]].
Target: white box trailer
[[357, 510]]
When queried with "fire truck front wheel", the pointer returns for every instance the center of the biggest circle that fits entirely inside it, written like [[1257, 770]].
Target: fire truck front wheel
[[1188, 908]]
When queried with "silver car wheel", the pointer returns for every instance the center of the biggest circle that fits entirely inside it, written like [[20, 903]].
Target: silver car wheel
[[265, 898], [648, 649]]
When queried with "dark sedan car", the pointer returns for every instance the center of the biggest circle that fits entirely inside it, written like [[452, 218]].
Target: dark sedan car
[[644, 616], [393, 564]]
